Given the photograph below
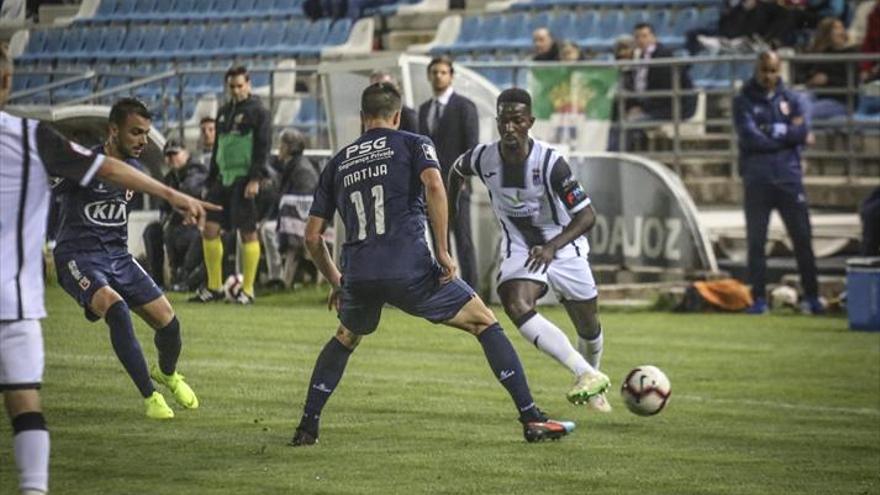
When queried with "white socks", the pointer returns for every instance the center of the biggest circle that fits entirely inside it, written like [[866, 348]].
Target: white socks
[[32, 459], [592, 349], [549, 338]]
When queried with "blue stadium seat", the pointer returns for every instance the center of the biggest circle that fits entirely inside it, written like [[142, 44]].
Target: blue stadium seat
[[229, 40], [562, 26], [191, 43], [93, 39], [161, 10], [632, 18], [314, 37], [470, 29], [273, 35], [171, 41], [251, 39], [152, 40], [111, 43], [134, 38], [287, 8], [291, 37], [338, 33], [491, 30], [36, 44], [105, 10], [514, 31], [73, 41], [587, 22], [609, 26], [143, 9], [221, 9], [711, 75], [243, 9]]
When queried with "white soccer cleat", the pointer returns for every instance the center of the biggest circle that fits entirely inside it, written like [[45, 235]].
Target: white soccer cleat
[[599, 403]]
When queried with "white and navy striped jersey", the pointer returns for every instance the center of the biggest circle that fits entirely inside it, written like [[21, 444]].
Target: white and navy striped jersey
[[29, 153], [532, 202]]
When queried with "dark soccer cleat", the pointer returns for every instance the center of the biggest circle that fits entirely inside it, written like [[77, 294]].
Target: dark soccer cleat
[[303, 438], [205, 295], [544, 428]]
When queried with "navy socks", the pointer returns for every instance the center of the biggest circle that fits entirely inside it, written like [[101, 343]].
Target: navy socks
[[325, 376], [508, 369], [168, 344], [127, 347]]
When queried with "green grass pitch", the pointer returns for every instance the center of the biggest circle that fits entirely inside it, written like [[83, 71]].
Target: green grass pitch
[[779, 405]]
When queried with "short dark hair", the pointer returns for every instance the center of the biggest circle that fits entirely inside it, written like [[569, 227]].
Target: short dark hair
[[127, 106], [380, 100], [206, 119], [237, 70], [442, 59], [514, 95], [643, 25]]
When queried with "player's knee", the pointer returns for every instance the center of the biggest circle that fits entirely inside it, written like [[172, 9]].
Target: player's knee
[[211, 231], [516, 307], [590, 328], [19, 402], [347, 338], [103, 300], [478, 317]]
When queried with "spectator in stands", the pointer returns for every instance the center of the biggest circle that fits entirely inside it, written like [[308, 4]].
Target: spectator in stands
[[870, 213], [451, 121], [409, 119], [545, 47], [748, 26], [298, 182], [830, 38], [772, 129], [570, 52], [656, 78], [870, 70], [207, 135], [238, 164], [169, 234], [624, 49]]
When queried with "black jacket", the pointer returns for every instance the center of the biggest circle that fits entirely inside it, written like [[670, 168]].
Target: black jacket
[[458, 132], [409, 120], [249, 117], [660, 78]]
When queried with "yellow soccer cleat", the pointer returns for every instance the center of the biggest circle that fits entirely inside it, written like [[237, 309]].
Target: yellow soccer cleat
[[157, 408], [182, 392]]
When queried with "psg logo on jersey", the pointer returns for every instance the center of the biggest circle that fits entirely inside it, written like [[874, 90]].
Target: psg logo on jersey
[[536, 177]]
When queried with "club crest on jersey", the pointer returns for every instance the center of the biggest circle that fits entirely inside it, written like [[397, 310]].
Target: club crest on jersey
[[536, 177], [106, 213], [430, 152]]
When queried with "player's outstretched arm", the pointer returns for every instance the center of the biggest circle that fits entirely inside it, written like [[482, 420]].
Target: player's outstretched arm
[[320, 255], [121, 174], [541, 256], [453, 189], [435, 195]]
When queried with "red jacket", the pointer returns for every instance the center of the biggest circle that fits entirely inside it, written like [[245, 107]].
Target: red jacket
[[871, 44]]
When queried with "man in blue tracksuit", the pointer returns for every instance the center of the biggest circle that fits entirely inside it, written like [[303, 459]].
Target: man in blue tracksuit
[[770, 125]]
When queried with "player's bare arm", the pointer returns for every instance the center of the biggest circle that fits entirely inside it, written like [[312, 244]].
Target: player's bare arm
[[121, 174], [321, 256], [540, 257], [435, 195], [455, 182]]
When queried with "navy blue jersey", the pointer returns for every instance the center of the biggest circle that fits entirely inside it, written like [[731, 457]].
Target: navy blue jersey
[[94, 217], [375, 185]]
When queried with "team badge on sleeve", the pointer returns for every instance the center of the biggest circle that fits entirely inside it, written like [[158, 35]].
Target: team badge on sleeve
[[430, 152], [573, 193]]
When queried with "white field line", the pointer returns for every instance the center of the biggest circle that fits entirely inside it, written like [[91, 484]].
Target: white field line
[[284, 371]]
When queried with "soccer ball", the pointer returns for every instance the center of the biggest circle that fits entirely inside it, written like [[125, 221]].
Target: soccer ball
[[233, 287], [645, 390], [783, 297]]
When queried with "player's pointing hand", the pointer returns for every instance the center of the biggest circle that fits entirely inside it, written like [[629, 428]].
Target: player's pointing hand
[[192, 209]]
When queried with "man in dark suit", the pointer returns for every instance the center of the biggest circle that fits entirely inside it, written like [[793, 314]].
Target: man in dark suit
[[452, 123], [654, 78], [409, 121]]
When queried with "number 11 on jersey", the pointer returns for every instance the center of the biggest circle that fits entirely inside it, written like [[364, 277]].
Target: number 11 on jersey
[[378, 193]]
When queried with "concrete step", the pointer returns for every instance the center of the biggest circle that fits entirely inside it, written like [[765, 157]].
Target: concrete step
[[424, 21]]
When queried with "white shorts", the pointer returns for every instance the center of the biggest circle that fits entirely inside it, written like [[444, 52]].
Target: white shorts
[[21, 354], [570, 278]]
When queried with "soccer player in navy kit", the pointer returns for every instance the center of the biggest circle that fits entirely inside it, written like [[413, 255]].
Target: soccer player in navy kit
[[32, 150], [379, 186], [95, 268]]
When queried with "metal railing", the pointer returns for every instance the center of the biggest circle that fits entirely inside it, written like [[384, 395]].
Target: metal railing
[[723, 122]]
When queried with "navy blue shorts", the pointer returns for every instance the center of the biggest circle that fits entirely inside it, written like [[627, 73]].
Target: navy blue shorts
[[82, 274], [422, 296]]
